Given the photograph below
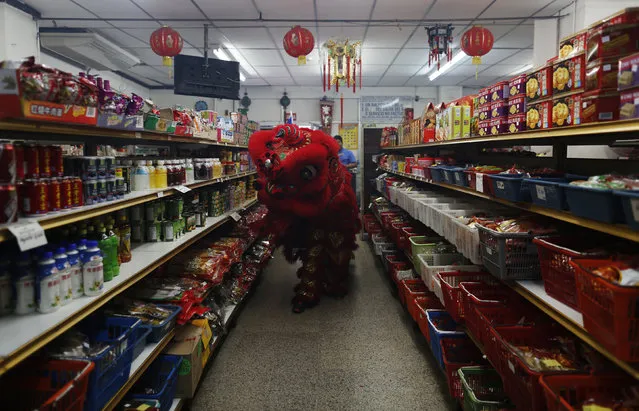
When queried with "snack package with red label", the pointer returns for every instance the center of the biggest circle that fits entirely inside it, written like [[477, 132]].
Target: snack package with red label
[[38, 82], [171, 289]]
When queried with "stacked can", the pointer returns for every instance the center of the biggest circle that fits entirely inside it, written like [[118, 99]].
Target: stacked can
[[98, 177], [216, 204]]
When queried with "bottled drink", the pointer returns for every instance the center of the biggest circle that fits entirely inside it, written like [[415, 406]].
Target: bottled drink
[[92, 269], [24, 284], [190, 173], [64, 272], [73, 256], [152, 175], [182, 172], [124, 249], [6, 303], [107, 257], [114, 243], [141, 176], [47, 284], [160, 175]]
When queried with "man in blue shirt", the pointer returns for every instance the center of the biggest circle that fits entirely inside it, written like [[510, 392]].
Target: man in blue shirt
[[347, 158]]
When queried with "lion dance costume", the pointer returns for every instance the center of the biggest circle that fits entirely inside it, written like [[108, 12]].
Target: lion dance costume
[[312, 207]]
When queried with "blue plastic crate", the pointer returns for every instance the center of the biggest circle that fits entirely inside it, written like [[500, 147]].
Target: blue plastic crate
[[548, 192], [159, 331], [141, 336], [449, 175], [437, 174], [113, 364], [630, 205], [596, 204], [160, 378], [460, 177], [447, 329], [510, 187]]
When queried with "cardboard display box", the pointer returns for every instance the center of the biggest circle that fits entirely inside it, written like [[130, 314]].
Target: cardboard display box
[[189, 344]]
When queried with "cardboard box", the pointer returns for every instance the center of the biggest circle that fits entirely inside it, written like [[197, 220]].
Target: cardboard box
[[121, 121], [59, 113], [456, 122], [207, 335], [188, 345], [466, 120], [568, 75]]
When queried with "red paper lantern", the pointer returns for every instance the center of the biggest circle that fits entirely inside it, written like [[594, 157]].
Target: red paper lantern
[[476, 42], [167, 43], [298, 42]]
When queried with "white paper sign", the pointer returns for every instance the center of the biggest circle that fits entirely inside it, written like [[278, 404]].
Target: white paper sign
[[479, 182], [235, 216], [183, 189], [500, 185], [29, 235], [634, 205], [160, 194], [541, 192]]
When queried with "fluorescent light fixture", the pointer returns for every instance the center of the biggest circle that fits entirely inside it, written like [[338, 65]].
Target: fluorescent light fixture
[[428, 69], [521, 70], [221, 54], [242, 76], [455, 60], [240, 59]]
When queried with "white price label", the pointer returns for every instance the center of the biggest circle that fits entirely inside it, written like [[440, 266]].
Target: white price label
[[479, 182], [511, 366], [489, 251], [29, 235], [160, 194], [541, 192], [183, 189], [634, 205], [138, 134], [500, 185], [235, 216]]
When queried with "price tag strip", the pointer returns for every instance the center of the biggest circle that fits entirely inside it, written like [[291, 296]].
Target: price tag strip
[[29, 235], [236, 216], [182, 189]]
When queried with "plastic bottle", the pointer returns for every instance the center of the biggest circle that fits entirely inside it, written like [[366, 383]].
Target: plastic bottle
[[170, 173], [182, 171], [160, 174], [124, 248], [92, 269], [141, 176], [6, 300], [190, 172], [82, 247], [152, 175], [47, 284], [64, 272], [73, 256], [107, 258], [114, 243], [24, 284]]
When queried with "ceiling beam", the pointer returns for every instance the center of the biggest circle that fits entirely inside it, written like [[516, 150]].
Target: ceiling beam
[[365, 21]]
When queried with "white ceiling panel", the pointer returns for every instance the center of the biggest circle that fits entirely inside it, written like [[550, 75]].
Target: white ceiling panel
[[522, 36], [309, 81], [312, 59], [254, 82], [378, 56], [195, 37], [370, 80], [353, 33], [280, 81], [500, 70], [406, 71], [459, 8], [256, 37], [123, 39], [305, 70], [373, 69], [482, 81], [410, 9], [522, 57], [284, 9], [340, 9], [446, 80], [397, 81], [271, 71], [493, 57], [85, 24], [113, 8], [228, 9], [412, 57], [58, 8], [386, 36], [169, 9], [509, 8], [463, 70], [262, 57]]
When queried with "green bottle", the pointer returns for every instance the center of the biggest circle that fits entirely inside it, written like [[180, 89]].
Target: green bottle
[[105, 246], [114, 242]]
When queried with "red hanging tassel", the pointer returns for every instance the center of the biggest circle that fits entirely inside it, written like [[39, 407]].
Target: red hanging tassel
[[336, 83], [360, 73], [328, 83], [341, 111], [324, 78], [354, 74], [348, 71]]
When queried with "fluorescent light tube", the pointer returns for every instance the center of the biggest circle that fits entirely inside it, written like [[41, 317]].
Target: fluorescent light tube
[[458, 58], [240, 59], [242, 77], [221, 54], [521, 70]]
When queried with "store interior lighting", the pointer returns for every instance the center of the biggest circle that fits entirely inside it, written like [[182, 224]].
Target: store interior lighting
[[222, 55], [522, 70], [455, 60]]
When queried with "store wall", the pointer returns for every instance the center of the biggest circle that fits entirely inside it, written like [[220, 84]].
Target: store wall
[[18, 34]]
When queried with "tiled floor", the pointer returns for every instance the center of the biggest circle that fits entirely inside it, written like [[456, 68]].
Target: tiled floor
[[359, 353]]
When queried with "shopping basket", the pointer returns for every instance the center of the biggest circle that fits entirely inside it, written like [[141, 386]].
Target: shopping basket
[[509, 256], [441, 325], [160, 379], [483, 389], [570, 392], [424, 303], [450, 281], [457, 353]]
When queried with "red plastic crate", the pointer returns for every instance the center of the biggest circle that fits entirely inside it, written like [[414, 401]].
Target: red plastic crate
[[520, 382], [569, 392], [396, 229], [457, 353], [611, 312], [480, 294], [555, 254], [410, 288], [423, 304], [450, 281], [47, 385], [503, 315], [411, 301], [394, 262], [404, 234]]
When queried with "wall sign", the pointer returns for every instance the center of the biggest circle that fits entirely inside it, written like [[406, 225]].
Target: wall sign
[[382, 109]]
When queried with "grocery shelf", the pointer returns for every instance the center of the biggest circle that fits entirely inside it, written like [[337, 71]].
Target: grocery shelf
[[74, 130], [24, 335], [591, 129], [177, 404], [60, 218], [617, 230], [138, 367]]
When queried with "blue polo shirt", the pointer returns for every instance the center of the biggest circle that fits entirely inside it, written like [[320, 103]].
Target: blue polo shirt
[[346, 156]]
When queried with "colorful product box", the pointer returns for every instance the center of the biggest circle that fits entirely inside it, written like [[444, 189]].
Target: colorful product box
[[484, 96], [498, 109], [516, 123], [498, 126], [539, 84], [599, 106], [568, 75], [59, 113], [499, 91], [517, 105], [456, 121], [566, 110], [121, 121], [629, 104], [517, 86], [484, 128], [573, 44], [628, 75], [466, 120], [602, 75], [538, 115], [484, 112], [609, 41]]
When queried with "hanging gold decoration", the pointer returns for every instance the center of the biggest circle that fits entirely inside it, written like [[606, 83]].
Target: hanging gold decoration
[[343, 66]]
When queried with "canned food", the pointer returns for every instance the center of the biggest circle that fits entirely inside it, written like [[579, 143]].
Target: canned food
[[118, 172], [55, 194], [149, 211], [120, 188], [8, 203], [89, 168], [110, 189], [57, 164], [137, 228], [66, 187], [19, 150], [136, 213], [31, 161], [77, 192], [101, 165], [7, 163], [110, 166], [35, 200], [167, 230], [90, 192], [44, 156], [102, 190], [153, 231]]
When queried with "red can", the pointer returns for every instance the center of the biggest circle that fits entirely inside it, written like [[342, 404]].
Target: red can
[[57, 165], [8, 203], [55, 194], [44, 155], [7, 163], [31, 161], [35, 200], [67, 193], [19, 149], [77, 195]]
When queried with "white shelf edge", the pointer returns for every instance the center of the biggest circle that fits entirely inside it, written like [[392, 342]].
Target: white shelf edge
[[536, 288]]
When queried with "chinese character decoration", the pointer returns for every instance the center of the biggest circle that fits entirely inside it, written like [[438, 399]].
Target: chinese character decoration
[[440, 39], [476, 42], [343, 66], [167, 43], [326, 114], [299, 42]]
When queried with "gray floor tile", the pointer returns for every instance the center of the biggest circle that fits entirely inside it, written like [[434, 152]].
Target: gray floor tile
[[357, 353]]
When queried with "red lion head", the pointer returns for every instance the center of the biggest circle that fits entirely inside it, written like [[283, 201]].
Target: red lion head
[[298, 169]]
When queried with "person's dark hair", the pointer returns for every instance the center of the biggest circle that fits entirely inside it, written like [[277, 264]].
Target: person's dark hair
[[339, 138]]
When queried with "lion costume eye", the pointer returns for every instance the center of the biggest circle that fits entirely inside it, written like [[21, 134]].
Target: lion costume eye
[[308, 173]]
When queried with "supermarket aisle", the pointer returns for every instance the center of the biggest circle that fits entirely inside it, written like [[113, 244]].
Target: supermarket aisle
[[359, 353]]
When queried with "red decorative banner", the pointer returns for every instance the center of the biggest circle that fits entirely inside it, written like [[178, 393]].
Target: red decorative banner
[[326, 115]]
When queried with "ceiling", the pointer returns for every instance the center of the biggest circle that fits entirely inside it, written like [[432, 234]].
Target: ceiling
[[394, 54]]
